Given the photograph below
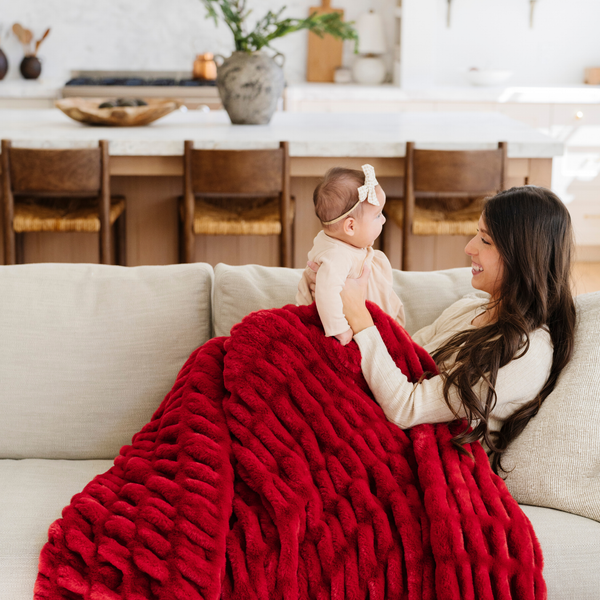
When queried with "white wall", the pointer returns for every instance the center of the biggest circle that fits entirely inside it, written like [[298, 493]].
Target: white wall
[[167, 34], [565, 39], [148, 34]]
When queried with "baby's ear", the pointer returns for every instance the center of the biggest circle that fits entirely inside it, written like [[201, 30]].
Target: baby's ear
[[349, 225]]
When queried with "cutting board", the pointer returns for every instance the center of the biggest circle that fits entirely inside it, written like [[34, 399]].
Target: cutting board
[[324, 54]]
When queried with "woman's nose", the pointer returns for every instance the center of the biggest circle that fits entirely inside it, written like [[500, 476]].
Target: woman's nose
[[469, 248]]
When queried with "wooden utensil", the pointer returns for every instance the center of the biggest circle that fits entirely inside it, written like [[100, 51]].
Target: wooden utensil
[[27, 36], [38, 43], [324, 54], [19, 31]]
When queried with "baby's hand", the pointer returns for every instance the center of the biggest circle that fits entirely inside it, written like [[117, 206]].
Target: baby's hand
[[344, 338]]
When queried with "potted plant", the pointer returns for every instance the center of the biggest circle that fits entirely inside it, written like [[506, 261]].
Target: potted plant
[[251, 81]]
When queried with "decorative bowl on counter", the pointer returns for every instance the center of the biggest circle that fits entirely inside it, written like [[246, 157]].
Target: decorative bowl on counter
[[86, 110], [488, 77]]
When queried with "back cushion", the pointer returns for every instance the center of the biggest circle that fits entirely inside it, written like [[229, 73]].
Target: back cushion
[[88, 352], [241, 290], [555, 462]]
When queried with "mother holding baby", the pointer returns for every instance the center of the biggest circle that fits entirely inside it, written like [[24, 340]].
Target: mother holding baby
[[500, 355]]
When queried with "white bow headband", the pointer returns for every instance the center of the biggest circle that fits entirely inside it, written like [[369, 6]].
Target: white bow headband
[[365, 192]]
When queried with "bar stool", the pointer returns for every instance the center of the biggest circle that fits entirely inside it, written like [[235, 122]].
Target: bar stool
[[444, 192], [236, 192], [60, 191]]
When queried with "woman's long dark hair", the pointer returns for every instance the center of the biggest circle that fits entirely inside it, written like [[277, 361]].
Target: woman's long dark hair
[[531, 229]]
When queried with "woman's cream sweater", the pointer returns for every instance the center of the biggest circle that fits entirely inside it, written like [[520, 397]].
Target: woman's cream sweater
[[407, 404]]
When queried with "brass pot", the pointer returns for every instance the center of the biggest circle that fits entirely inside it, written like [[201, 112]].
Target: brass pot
[[205, 67]]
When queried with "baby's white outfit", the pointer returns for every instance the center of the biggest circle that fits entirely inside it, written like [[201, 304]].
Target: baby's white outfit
[[337, 262]]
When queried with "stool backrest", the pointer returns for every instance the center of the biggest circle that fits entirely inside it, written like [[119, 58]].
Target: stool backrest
[[242, 173], [56, 172], [458, 171]]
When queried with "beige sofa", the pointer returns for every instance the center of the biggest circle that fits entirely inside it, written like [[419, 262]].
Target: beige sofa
[[87, 352]]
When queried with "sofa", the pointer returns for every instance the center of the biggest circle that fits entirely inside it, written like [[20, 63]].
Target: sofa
[[87, 353]]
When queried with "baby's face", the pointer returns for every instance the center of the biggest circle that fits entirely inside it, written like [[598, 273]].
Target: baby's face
[[371, 222]]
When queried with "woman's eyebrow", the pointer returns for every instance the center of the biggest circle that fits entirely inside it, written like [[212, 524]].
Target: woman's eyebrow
[[484, 231]]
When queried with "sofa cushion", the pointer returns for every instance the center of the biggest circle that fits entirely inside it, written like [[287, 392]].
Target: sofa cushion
[[240, 290], [555, 462], [571, 546], [88, 352], [34, 492], [427, 294], [32, 496]]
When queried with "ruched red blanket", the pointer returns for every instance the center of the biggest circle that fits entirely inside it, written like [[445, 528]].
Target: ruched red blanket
[[268, 472]]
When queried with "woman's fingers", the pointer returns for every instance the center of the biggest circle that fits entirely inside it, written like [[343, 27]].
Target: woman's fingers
[[353, 298], [311, 273]]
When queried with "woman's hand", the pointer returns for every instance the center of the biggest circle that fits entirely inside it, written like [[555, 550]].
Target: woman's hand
[[353, 296], [313, 267]]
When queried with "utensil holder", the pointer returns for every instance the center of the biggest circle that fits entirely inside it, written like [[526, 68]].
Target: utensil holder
[[30, 67]]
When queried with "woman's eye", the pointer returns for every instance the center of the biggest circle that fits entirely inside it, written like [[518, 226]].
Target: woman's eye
[[486, 243]]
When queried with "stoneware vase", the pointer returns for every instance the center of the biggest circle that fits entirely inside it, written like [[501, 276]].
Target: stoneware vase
[[31, 67], [250, 85], [3, 64]]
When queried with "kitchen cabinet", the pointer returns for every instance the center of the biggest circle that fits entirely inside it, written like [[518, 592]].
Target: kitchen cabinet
[[575, 175], [147, 167]]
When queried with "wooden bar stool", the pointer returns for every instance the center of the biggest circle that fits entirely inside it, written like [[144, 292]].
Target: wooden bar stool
[[236, 192], [444, 192], [60, 190]]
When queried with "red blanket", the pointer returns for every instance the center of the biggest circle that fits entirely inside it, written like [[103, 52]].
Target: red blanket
[[268, 472]]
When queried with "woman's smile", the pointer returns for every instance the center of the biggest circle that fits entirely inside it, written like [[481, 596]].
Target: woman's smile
[[487, 268]]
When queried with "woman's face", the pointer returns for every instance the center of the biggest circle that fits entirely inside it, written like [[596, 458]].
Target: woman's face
[[486, 264]]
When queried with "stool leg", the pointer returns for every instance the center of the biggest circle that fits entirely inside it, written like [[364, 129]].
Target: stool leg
[[120, 240], [9, 244], [19, 241], [180, 253]]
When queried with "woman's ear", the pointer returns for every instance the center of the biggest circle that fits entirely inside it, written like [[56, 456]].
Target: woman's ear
[[349, 226]]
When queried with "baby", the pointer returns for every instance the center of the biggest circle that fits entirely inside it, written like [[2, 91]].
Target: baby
[[349, 206]]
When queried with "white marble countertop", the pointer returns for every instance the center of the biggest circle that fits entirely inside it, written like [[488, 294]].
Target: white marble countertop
[[582, 94], [309, 134]]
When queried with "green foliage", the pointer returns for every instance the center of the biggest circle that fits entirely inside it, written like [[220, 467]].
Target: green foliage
[[272, 26]]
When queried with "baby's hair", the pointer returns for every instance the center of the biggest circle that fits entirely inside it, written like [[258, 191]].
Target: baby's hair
[[336, 194]]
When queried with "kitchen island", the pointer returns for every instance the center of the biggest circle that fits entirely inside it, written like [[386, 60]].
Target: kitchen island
[[147, 168]]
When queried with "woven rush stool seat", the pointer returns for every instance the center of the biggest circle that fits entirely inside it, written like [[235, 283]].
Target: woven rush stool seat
[[445, 191], [33, 215], [236, 192], [226, 216], [438, 222]]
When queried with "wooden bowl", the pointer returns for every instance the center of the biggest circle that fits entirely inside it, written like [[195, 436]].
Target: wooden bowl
[[86, 110]]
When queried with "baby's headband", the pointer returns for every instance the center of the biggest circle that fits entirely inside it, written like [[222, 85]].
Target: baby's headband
[[365, 192]]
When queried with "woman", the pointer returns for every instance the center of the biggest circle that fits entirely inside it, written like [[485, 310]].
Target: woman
[[500, 356]]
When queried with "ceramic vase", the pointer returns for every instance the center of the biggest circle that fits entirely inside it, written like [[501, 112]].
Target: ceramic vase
[[3, 64], [31, 67], [250, 85]]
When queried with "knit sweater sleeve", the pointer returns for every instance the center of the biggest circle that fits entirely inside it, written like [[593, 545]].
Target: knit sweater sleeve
[[407, 404]]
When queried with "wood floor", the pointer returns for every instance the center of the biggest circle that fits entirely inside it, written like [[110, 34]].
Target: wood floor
[[586, 277]]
